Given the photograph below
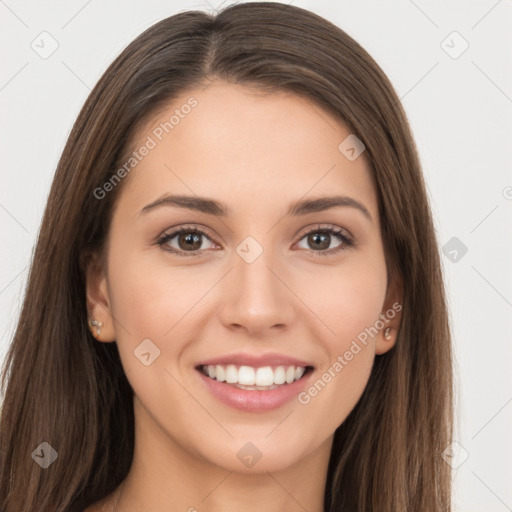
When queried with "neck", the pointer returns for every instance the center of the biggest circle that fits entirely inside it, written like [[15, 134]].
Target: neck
[[165, 476]]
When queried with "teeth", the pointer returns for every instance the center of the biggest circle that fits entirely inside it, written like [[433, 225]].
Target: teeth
[[231, 374], [279, 375], [247, 377], [220, 373], [264, 376], [299, 372]]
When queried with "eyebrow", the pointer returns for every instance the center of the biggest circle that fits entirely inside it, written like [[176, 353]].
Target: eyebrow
[[296, 209]]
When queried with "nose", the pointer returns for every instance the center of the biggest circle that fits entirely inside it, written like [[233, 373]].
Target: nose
[[256, 297]]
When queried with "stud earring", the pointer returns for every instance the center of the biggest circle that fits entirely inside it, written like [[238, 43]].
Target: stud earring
[[97, 324], [387, 333]]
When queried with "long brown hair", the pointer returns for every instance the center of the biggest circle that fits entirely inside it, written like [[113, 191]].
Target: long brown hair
[[62, 387]]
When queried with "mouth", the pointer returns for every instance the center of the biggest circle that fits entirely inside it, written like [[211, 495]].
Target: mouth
[[254, 389], [255, 379]]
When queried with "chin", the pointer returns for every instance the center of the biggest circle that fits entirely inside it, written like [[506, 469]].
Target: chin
[[261, 453]]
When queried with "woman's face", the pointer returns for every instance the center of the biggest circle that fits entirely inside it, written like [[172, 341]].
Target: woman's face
[[255, 279]]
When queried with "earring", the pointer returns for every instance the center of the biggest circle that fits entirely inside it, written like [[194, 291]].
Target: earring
[[387, 333], [97, 324]]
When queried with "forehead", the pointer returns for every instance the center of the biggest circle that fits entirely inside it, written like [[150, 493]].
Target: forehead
[[245, 148]]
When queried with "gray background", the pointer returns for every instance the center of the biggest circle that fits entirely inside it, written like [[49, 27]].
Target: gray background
[[460, 108]]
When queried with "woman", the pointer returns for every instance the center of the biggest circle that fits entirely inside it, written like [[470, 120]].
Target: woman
[[236, 299]]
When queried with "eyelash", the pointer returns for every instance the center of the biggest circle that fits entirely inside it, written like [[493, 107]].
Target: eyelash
[[346, 240]]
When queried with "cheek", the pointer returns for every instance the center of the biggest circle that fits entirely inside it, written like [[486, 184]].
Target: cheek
[[150, 297], [356, 311], [348, 301], [155, 301], [152, 301]]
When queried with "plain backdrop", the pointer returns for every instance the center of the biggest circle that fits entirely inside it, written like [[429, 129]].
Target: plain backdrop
[[450, 62]]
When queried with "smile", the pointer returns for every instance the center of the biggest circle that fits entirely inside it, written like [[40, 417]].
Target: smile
[[254, 389], [247, 377]]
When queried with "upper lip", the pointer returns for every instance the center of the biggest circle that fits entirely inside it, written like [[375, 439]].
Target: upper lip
[[255, 360]]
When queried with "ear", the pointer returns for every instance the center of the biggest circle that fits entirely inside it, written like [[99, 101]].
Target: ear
[[391, 316], [98, 299]]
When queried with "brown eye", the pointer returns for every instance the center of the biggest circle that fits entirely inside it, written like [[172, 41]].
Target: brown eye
[[319, 240], [184, 241], [189, 241]]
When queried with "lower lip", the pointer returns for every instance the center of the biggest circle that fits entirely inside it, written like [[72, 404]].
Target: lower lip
[[256, 400]]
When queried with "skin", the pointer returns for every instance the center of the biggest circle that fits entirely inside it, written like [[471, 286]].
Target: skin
[[257, 154]]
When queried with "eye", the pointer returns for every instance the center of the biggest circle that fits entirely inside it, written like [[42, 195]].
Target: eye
[[188, 240], [321, 237]]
